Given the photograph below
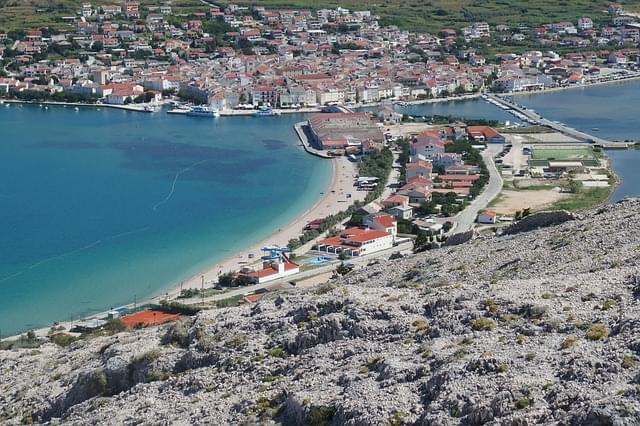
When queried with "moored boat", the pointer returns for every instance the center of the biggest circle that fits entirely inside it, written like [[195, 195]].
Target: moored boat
[[203, 111], [264, 111]]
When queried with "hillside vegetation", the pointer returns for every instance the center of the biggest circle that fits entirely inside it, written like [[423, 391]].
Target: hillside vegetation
[[538, 327], [22, 14], [433, 15], [415, 15]]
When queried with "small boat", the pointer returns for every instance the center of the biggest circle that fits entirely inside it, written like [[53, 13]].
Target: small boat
[[595, 129], [77, 109], [203, 111], [264, 111]]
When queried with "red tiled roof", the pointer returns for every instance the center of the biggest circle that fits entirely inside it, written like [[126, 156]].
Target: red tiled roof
[[385, 220], [459, 177], [271, 270], [486, 131], [420, 164]]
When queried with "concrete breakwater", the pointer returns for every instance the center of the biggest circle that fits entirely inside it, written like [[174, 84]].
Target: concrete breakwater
[[301, 130]]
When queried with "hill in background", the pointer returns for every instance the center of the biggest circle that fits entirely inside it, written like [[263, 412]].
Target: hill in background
[[415, 15]]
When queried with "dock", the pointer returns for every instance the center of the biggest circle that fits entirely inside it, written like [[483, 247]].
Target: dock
[[304, 140], [535, 118]]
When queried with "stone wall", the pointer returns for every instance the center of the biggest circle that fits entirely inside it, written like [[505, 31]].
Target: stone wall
[[539, 220]]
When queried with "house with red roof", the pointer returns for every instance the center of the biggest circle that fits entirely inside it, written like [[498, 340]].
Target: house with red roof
[[272, 270], [487, 216], [382, 222], [396, 200], [428, 148], [420, 168], [485, 134], [357, 241]]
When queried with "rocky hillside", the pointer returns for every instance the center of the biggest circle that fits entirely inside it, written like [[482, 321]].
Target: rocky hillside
[[540, 327]]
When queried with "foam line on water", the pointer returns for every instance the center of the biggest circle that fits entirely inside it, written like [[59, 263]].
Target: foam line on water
[[173, 184], [72, 252]]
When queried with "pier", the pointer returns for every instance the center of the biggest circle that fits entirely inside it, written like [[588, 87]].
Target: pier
[[302, 134], [535, 118]]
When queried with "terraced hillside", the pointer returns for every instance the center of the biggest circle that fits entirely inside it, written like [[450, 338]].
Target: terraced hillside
[[414, 15], [21, 14], [432, 15]]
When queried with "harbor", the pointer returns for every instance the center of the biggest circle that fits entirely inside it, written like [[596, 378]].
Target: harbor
[[534, 118], [300, 129]]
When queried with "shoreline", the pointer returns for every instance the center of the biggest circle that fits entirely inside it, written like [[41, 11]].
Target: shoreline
[[130, 107], [341, 169], [316, 109], [331, 201], [577, 86]]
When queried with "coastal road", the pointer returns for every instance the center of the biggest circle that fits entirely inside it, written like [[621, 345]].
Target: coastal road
[[466, 219], [359, 262]]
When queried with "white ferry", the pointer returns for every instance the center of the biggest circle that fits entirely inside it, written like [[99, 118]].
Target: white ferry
[[203, 111]]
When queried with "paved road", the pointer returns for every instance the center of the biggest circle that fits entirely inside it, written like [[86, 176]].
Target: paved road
[[466, 219], [515, 158], [405, 247], [393, 181]]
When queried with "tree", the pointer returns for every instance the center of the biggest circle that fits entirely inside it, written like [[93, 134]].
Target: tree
[[574, 186], [242, 281], [344, 269], [293, 243], [144, 98], [421, 242], [225, 280], [97, 46]]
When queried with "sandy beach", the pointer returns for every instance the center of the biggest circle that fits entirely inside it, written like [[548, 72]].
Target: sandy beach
[[333, 201]]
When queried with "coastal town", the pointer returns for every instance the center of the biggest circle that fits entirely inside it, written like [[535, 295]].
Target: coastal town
[[407, 183], [237, 58], [320, 213]]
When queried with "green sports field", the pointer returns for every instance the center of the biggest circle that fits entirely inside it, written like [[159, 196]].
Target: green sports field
[[570, 154]]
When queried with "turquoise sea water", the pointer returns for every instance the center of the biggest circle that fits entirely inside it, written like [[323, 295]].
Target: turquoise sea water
[[610, 111], [99, 207]]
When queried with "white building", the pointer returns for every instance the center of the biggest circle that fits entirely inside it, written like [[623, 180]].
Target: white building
[[585, 23], [357, 242], [487, 217], [272, 270]]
